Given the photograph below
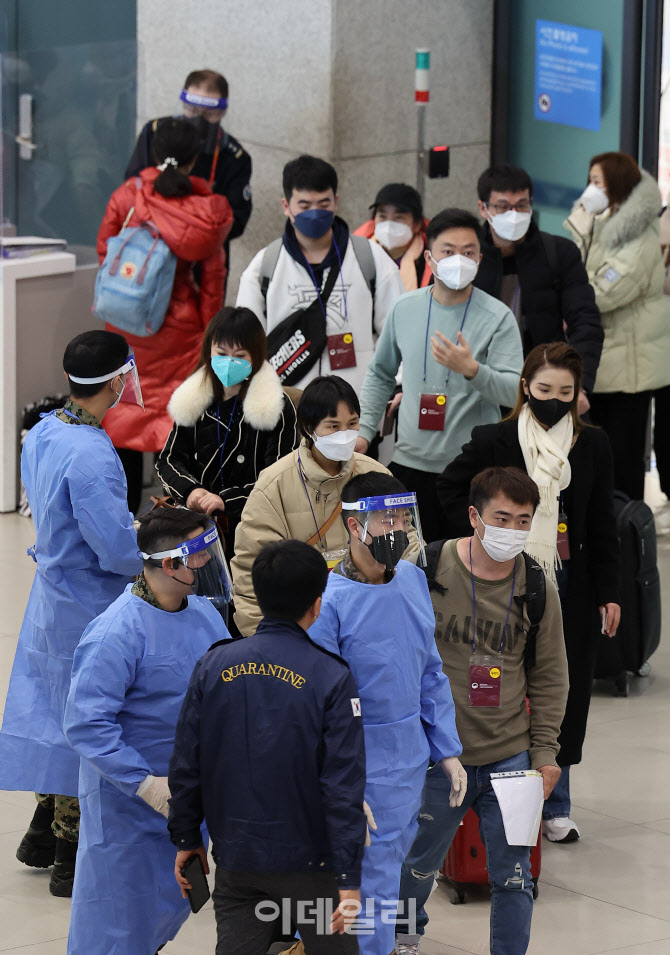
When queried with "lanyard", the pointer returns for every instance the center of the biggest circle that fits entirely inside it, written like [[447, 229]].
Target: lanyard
[[425, 349], [318, 290], [222, 447], [215, 161], [509, 609], [309, 501]]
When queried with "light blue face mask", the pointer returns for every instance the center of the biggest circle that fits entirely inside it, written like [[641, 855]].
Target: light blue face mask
[[230, 371]]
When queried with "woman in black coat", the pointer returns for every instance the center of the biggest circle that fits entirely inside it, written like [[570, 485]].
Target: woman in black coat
[[588, 580], [232, 419]]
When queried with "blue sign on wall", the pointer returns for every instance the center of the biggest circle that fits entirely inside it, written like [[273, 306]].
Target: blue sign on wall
[[568, 74]]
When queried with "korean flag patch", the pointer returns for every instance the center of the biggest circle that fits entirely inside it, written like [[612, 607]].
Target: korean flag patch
[[356, 707]]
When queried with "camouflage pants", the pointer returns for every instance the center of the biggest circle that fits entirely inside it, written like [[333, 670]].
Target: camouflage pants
[[65, 811]]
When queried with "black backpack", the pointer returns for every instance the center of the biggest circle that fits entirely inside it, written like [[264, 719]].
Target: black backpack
[[535, 597]]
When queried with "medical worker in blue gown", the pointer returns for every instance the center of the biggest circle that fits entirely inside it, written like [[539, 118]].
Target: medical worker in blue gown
[[377, 614], [129, 678], [86, 553]]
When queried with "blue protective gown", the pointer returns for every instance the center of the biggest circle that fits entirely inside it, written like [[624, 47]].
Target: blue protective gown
[[129, 678], [386, 633], [86, 552]]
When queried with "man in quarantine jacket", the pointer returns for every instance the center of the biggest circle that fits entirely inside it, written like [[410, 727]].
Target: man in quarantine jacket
[[269, 750]]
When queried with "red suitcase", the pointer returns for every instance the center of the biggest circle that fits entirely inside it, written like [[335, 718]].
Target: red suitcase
[[465, 863]]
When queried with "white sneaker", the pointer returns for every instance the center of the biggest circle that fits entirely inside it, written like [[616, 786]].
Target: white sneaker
[[403, 948], [562, 829]]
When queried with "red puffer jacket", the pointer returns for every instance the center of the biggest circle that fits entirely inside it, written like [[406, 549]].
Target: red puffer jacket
[[194, 228]]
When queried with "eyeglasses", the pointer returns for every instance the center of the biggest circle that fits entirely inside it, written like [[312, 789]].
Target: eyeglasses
[[500, 208]]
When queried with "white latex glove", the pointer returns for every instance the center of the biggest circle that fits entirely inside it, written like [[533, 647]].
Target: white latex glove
[[371, 824], [458, 777], [154, 790]]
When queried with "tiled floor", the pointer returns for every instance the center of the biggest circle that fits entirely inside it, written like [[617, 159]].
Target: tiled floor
[[609, 892]]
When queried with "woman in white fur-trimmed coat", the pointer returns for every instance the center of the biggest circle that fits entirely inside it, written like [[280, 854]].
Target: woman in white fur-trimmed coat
[[228, 425], [615, 224]]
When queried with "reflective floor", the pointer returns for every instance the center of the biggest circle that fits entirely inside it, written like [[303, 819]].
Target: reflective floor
[[609, 892]]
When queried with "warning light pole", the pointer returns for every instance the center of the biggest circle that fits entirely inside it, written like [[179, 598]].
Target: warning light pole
[[421, 98]]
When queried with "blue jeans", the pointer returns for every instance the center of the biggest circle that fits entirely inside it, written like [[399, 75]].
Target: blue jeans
[[558, 804], [508, 866]]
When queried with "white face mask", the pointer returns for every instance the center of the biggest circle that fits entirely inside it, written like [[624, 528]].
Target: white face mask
[[511, 225], [594, 199], [456, 271], [502, 543], [393, 235], [338, 446], [118, 396]]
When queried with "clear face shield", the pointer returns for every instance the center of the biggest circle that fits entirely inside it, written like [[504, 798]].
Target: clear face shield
[[203, 556], [206, 113], [390, 523], [131, 391]]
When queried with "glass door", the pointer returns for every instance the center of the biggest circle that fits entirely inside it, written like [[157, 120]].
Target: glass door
[[68, 114]]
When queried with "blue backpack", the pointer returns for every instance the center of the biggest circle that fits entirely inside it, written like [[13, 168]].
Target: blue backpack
[[134, 283]]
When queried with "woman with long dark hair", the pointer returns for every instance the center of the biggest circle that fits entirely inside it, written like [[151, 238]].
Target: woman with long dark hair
[[573, 533]]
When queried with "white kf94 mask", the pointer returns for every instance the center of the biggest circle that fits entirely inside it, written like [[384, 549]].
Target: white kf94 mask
[[502, 543], [456, 271]]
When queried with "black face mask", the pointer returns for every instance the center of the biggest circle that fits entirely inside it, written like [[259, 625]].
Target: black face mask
[[550, 411], [387, 549]]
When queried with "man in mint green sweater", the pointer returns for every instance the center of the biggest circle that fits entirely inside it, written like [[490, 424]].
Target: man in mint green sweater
[[461, 358]]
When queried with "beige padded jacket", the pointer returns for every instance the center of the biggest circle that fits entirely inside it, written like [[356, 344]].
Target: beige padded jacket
[[623, 259], [278, 509]]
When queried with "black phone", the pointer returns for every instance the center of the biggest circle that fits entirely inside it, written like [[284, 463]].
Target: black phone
[[194, 872]]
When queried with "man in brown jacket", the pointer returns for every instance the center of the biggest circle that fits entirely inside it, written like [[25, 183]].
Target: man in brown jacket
[[481, 633]]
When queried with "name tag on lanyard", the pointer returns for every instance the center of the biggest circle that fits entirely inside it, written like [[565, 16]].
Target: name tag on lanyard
[[341, 351], [432, 412], [485, 680]]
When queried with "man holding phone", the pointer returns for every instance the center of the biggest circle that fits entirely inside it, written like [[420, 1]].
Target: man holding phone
[[269, 750]]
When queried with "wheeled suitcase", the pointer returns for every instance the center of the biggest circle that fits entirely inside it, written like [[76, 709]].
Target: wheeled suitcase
[[465, 863], [639, 632]]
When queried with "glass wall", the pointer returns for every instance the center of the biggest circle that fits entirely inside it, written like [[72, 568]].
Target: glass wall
[[68, 106], [556, 155]]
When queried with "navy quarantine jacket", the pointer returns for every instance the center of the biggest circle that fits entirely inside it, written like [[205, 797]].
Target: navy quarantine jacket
[[269, 749]]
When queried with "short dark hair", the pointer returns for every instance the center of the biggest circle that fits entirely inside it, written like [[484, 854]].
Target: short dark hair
[[210, 79], [369, 484], [177, 139], [308, 172], [166, 527], [452, 219], [503, 178], [233, 326], [92, 354], [512, 483], [320, 400], [288, 577]]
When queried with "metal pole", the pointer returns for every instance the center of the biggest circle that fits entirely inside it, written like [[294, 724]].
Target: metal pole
[[421, 97], [420, 148]]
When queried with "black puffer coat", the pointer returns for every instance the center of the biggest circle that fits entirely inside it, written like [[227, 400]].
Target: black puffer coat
[[550, 295]]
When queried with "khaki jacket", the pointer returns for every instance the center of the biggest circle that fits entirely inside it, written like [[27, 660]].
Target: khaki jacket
[[279, 509], [623, 260]]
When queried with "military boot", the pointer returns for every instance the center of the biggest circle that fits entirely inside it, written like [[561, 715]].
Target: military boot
[[62, 877], [38, 846]]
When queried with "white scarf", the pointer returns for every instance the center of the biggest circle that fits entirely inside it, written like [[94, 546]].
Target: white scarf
[[545, 454]]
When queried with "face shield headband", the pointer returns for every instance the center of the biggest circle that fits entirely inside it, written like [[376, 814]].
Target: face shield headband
[[399, 515], [203, 555], [204, 102], [132, 392]]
